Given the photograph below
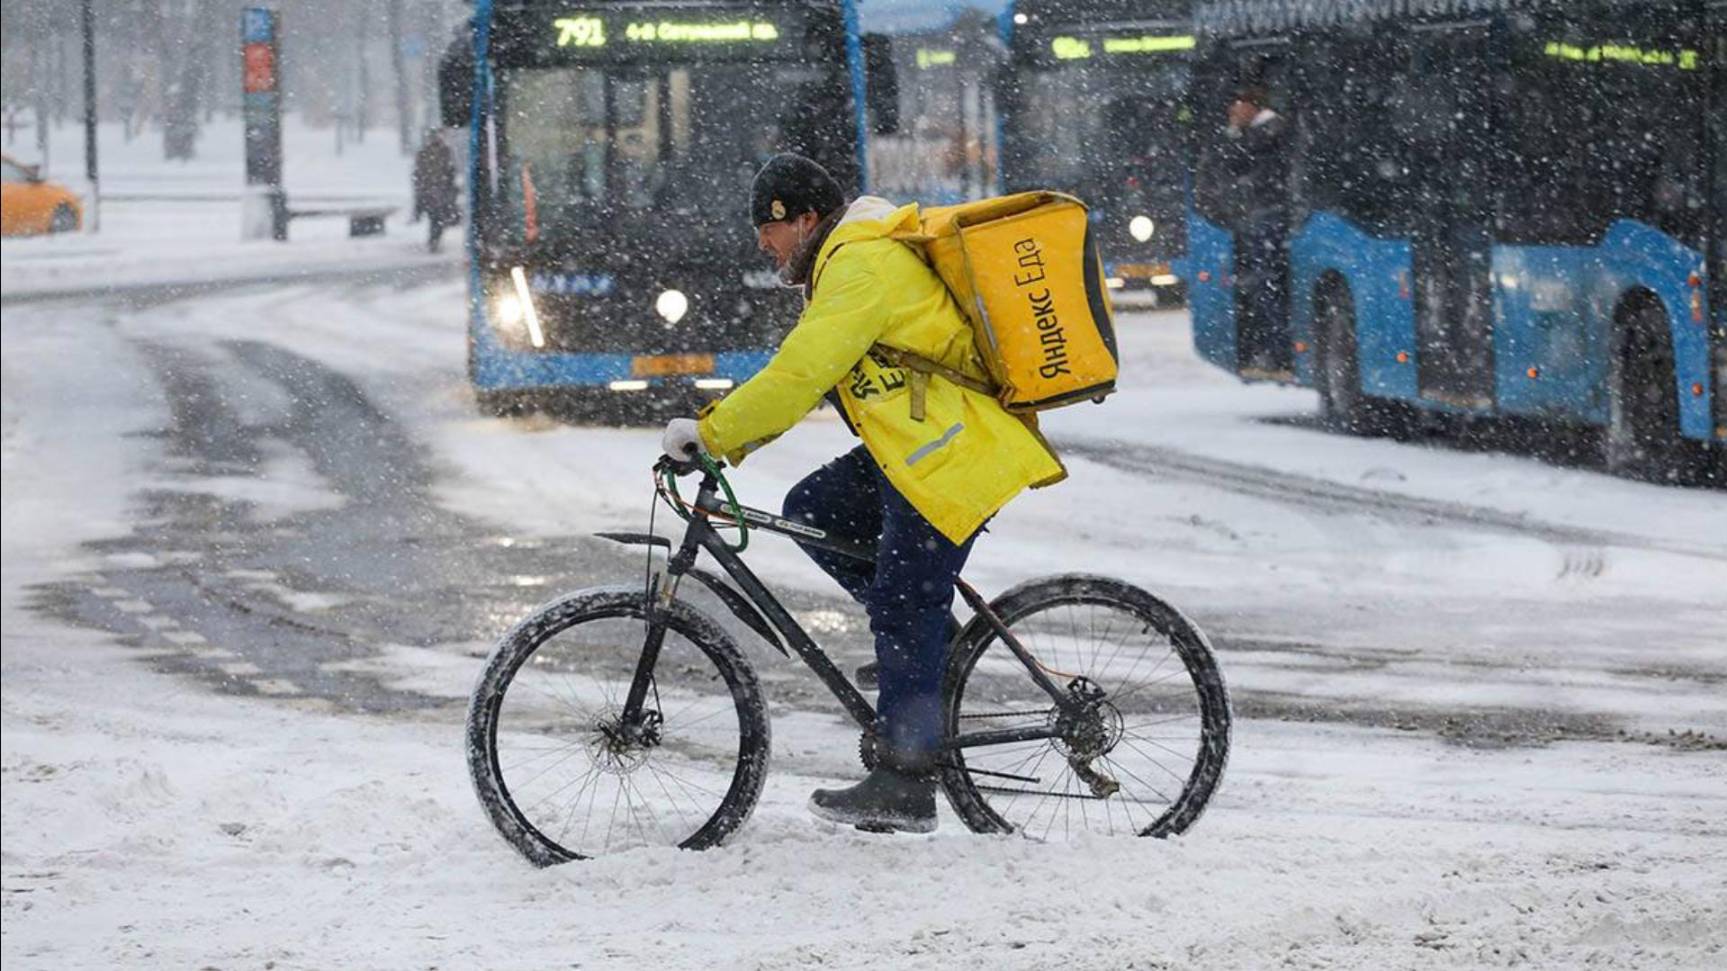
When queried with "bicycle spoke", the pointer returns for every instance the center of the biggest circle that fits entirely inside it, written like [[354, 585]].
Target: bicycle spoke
[[1127, 804], [1163, 721], [544, 752], [687, 785], [558, 700], [1178, 777], [1137, 778], [593, 774], [538, 775], [1118, 699], [1044, 795], [671, 800], [1152, 741], [612, 819]]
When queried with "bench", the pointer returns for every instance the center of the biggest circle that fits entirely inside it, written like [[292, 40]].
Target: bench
[[362, 220]]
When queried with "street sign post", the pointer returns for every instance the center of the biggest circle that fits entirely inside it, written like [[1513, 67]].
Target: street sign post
[[264, 207], [87, 26]]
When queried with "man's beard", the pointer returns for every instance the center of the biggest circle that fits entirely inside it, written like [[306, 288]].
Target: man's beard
[[788, 269]]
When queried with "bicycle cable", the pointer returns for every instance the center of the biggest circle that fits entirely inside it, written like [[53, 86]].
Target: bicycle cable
[[648, 570], [668, 487]]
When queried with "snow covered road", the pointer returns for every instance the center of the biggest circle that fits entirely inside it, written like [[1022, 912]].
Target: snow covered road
[[255, 543]]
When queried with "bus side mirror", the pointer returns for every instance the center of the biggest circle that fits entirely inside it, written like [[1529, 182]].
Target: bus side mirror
[[881, 82], [456, 84]]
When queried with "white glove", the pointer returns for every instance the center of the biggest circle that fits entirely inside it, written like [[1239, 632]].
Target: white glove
[[681, 440]]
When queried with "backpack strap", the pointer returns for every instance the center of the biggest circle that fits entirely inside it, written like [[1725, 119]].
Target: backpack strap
[[921, 368]]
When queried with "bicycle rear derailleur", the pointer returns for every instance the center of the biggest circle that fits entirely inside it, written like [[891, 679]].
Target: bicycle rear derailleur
[[1089, 728]]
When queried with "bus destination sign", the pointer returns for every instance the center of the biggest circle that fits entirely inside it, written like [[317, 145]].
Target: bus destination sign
[[625, 33]]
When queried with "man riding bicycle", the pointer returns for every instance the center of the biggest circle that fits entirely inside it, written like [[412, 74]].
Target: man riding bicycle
[[937, 459]]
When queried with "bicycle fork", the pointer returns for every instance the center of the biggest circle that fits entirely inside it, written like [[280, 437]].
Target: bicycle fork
[[633, 722]]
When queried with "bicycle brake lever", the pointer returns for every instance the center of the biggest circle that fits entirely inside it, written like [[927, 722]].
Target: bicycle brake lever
[[676, 467]]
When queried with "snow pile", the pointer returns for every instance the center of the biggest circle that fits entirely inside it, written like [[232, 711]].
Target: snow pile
[[179, 223]]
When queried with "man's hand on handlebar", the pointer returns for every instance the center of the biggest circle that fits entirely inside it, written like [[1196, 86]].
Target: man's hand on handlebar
[[682, 443]]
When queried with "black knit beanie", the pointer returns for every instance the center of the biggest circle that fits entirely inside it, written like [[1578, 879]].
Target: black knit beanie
[[789, 186]]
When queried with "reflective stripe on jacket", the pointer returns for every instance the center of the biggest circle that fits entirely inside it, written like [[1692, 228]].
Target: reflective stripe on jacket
[[967, 457]]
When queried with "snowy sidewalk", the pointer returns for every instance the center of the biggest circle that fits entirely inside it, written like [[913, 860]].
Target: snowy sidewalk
[[168, 224]]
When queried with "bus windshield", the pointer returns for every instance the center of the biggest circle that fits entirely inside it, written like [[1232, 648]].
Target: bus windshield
[[1103, 134], [661, 149]]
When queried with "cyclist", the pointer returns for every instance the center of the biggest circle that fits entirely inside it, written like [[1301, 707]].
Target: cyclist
[[937, 459]]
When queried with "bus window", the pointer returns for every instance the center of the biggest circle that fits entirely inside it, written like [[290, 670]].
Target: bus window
[[817, 122], [1353, 162], [1601, 126], [587, 143]]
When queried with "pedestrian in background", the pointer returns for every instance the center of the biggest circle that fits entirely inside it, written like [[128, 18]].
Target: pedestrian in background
[[435, 188], [1257, 152]]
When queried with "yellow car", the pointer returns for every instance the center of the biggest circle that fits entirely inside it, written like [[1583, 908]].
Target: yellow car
[[30, 204]]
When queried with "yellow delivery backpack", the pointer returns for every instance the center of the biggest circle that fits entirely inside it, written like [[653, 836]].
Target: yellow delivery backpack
[[1025, 271]]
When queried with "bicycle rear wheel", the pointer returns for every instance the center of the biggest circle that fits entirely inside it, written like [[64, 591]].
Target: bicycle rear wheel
[[564, 777], [1150, 747]]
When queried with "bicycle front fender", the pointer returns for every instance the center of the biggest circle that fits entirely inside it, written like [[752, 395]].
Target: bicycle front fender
[[740, 607]]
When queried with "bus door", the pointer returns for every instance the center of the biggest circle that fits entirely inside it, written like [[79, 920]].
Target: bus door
[[1716, 243], [1445, 113], [1262, 325]]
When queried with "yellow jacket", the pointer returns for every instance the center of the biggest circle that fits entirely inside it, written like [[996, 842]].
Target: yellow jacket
[[967, 457]]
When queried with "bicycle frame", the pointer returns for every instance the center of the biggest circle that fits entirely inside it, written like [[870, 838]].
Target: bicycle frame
[[701, 534]]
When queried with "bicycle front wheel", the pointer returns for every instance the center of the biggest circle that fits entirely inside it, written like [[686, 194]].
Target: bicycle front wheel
[[1141, 749], [564, 775]]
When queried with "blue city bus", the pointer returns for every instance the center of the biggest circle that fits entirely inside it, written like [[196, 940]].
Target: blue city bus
[[1094, 102], [610, 148], [1497, 208]]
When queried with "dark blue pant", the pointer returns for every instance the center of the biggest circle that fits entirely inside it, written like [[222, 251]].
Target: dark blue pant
[[1262, 279], [907, 591]]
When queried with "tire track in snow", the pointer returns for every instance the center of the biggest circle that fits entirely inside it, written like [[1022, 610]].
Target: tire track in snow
[[1584, 549], [313, 602]]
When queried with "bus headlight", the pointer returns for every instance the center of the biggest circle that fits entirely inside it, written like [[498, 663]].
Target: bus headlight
[[507, 311], [525, 303], [672, 305], [1141, 228]]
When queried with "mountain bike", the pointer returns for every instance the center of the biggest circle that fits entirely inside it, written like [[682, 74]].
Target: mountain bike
[[623, 716]]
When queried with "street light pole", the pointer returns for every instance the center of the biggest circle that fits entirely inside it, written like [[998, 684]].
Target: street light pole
[[402, 127], [90, 170]]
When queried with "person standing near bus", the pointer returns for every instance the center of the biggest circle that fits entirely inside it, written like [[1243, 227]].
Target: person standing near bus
[[435, 187], [919, 488], [1258, 154]]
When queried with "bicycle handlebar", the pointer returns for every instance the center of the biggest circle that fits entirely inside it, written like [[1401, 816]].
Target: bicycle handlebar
[[677, 467], [713, 481]]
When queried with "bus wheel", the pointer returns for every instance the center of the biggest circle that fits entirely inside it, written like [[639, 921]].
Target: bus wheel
[[502, 404], [1642, 438], [1341, 402]]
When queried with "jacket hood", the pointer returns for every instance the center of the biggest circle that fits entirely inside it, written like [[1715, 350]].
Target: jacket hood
[[871, 217], [868, 217]]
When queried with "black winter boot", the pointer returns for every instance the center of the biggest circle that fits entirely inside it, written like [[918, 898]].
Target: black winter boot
[[886, 801]]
